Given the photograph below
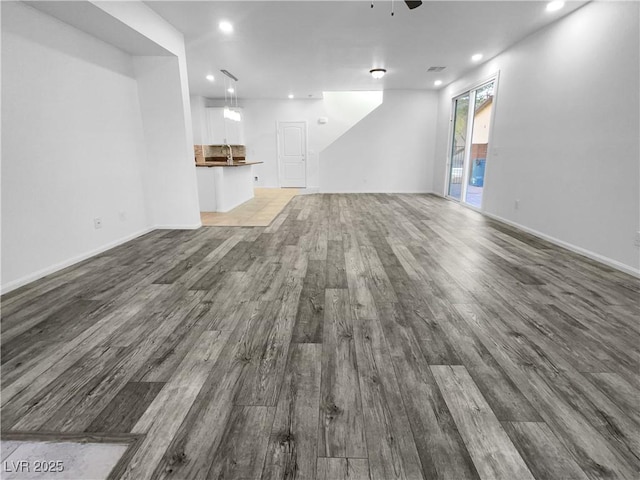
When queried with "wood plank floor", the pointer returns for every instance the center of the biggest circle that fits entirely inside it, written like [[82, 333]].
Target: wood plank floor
[[355, 337]]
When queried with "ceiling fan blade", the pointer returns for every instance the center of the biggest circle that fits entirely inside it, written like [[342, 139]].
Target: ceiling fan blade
[[413, 3]]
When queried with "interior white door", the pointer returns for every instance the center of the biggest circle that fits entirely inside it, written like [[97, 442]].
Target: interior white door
[[292, 154]]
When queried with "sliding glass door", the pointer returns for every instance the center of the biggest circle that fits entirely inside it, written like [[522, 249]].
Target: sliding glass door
[[458, 145], [469, 144]]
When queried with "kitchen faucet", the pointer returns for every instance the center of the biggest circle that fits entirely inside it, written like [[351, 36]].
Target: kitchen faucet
[[229, 156]]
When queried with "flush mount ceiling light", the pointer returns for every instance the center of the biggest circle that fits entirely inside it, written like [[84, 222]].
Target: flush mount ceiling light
[[477, 57], [211, 78], [290, 95], [225, 26], [377, 73], [437, 83], [555, 5]]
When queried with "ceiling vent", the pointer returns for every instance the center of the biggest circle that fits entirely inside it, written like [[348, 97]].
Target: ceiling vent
[[435, 69]]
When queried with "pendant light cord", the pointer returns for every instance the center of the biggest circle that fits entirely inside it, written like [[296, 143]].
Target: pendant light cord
[[224, 119]]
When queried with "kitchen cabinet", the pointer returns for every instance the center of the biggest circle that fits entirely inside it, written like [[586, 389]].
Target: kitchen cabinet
[[222, 131]]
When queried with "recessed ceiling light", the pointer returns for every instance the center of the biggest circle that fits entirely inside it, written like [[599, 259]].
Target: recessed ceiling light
[[377, 72], [290, 95], [225, 26], [477, 57], [211, 78], [230, 90], [437, 83], [555, 5]]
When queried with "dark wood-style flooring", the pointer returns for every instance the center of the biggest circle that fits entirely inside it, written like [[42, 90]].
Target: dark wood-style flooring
[[357, 336]]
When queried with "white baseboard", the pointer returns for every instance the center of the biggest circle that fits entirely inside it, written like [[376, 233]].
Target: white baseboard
[[32, 277], [610, 262], [79, 258], [341, 192], [309, 190], [569, 246], [193, 226]]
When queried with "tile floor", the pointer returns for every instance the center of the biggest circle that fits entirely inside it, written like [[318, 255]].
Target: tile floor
[[257, 212], [60, 460]]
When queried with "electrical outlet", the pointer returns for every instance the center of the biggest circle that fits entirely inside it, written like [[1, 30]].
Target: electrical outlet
[[516, 204], [123, 216], [97, 223], [636, 242]]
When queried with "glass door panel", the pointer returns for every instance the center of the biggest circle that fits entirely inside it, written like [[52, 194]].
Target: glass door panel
[[476, 163], [459, 146]]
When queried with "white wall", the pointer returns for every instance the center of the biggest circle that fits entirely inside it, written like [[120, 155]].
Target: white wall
[[343, 110], [199, 119], [72, 145], [565, 138], [90, 131], [169, 174], [390, 150], [166, 110]]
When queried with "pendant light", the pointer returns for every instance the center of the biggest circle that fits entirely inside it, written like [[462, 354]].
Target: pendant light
[[228, 112]]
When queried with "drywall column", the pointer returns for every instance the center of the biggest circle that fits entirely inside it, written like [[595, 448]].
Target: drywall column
[[172, 196], [166, 112], [72, 146]]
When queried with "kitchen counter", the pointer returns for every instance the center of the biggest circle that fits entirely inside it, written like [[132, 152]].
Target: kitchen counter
[[225, 164], [223, 189]]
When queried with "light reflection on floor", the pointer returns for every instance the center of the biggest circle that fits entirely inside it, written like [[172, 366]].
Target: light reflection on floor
[[474, 194], [58, 460]]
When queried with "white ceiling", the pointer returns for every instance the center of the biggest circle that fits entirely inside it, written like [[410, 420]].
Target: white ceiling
[[306, 47], [93, 20]]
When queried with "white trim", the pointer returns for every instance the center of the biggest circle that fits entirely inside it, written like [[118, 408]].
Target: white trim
[[450, 134], [556, 241], [495, 78], [388, 192], [32, 277], [569, 246], [466, 160], [492, 122], [477, 84], [70, 261], [306, 149], [192, 226], [308, 190]]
